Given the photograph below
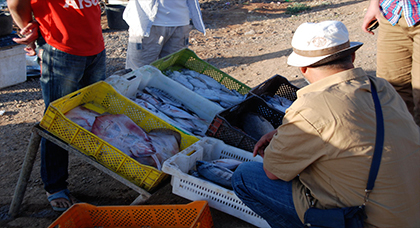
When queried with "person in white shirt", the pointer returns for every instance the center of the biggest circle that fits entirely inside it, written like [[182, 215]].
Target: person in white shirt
[[158, 28]]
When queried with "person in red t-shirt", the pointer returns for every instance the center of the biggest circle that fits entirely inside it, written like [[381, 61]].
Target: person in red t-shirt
[[72, 53]]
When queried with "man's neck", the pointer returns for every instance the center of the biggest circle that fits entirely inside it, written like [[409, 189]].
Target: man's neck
[[316, 74]]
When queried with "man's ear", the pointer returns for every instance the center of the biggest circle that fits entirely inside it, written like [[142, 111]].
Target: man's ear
[[303, 70], [353, 57]]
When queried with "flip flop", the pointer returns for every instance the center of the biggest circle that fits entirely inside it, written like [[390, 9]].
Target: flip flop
[[63, 194]]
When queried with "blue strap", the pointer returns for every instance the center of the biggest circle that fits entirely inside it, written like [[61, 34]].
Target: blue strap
[[379, 143]]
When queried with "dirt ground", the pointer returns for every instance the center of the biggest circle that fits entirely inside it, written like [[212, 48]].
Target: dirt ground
[[249, 40]]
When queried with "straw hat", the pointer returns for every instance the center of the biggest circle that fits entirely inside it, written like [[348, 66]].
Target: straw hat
[[319, 43]]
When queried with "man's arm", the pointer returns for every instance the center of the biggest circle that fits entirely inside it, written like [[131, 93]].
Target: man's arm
[[262, 143], [270, 175], [373, 12], [21, 12]]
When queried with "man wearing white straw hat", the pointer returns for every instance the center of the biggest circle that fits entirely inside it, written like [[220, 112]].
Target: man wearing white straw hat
[[321, 155]]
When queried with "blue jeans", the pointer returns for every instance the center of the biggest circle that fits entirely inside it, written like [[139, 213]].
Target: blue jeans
[[61, 74], [271, 199]]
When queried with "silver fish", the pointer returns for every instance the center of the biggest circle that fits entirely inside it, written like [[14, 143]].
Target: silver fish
[[209, 88], [215, 173], [164, 96], [228, 163], [279, 103], [255, 125], [209, 94], [146, 105], [180, 78], [198, 84], [149, 98], [174, 111]]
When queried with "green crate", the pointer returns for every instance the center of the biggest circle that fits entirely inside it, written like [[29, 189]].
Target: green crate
[[186, 58]]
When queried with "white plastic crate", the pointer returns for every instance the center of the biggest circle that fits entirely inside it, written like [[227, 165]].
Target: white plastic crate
[[12, 66], [193, 188], [153, 77]]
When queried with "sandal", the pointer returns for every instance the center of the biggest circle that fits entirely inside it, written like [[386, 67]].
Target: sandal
[[61, 200]]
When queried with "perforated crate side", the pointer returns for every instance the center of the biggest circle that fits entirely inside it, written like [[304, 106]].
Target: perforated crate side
[[186, 58], [276, 85], [193, 188], [101, 97], [227, 124], [81, 215]]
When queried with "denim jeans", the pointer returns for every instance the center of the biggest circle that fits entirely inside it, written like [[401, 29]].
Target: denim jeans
[[61, 74], [271, 199]]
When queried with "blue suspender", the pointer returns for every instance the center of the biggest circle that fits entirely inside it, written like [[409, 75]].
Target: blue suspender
[[379, 143]]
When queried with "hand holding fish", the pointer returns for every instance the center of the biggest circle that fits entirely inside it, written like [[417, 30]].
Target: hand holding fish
[[263, 143]]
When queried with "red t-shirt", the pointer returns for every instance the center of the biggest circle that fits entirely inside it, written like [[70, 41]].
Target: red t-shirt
[[72, 26]]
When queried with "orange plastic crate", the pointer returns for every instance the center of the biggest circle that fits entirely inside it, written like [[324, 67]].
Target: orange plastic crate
[[82, 215]]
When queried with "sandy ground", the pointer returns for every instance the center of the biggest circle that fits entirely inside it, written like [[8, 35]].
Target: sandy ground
[[249, 41]]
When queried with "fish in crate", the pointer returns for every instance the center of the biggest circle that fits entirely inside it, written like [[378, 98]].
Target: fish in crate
[[206, 87], [218, 171], [151, 148], [171, 110]]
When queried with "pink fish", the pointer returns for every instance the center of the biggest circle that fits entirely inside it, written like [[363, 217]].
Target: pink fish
[[166, 142], [147, 148], [82, 116], [121, 132]]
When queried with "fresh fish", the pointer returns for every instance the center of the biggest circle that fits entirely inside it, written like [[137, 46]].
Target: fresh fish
[[198, 84], [209, 94], [149, 98], [174, 111], [278, 102], [82, 116], [166, 143], [164, 96], [230, 99], [207, 87], [121, 132], [146, 105], [255, 125], [189, 126], [210, 81], [180, 78], [228, 163], [215, 173]]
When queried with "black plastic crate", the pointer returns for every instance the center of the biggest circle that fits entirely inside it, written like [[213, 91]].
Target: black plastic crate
[[276, 85], [226, 125]]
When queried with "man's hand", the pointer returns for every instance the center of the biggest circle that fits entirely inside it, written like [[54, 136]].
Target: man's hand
[[28, 36], [373, 13], [263, 143]]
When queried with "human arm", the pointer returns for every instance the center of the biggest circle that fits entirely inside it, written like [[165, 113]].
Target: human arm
[[21, 12], [270, 175], [373, 12], [262, 143]]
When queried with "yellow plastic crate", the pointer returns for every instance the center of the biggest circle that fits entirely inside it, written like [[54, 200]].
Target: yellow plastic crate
[[82, 215], [102, 97], [186, 58]]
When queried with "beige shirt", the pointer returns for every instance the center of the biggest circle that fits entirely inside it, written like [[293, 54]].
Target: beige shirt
[[327, 138]]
